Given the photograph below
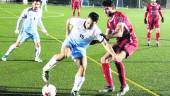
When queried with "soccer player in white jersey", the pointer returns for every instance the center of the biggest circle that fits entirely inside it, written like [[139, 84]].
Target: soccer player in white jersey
[[28, 21], [44, 4], [80, 33]]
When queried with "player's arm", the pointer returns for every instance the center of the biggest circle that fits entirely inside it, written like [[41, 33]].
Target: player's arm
[[118, 31], [69, 27], [23, 15], [41, 25], [109, 49], [146, 15], [160, 13]]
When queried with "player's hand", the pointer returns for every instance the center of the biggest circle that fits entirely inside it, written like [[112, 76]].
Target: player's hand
[[162, 19], [16, 31], [145, 21], [46, 33], [105, 36]]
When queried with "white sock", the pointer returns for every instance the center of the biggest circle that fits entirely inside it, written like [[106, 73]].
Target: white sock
[[37, 52], [81, 83], [11, 48], [50, 64], [78, 82]]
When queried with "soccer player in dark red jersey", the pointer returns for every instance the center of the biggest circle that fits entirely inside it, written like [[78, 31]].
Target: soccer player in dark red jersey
[[119, 27], [151, 18], [76, 5]]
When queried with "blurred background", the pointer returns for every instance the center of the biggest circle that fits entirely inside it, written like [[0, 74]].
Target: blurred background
[[118, 3]]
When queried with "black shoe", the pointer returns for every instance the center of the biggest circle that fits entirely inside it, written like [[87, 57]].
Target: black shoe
[[157, 44], [107, 89], [148, 44], [75, 93], [45, 76]]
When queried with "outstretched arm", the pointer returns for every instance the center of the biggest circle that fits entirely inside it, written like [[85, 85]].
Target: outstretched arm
[[109, 49], [21, 17], [40, 24], [69, 27], [160, 13]]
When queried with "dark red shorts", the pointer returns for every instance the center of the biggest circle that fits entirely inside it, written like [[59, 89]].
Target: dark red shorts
[[76, 5], [125, 45], [153, 23]]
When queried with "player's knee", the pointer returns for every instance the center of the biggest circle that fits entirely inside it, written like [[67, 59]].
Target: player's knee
[[17, 44], [60, 56], [103, 60]]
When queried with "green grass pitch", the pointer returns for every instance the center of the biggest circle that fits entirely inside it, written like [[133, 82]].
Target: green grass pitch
[[148, 67]]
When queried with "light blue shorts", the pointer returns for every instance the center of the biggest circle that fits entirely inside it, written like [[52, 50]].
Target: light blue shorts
[[23, 36], [76, 51]]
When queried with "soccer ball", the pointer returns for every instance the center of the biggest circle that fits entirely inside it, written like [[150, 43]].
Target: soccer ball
[[49, 90]]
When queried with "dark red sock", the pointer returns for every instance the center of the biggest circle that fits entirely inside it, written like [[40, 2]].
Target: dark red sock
[[157, 36], [107, 74], [121, 73], [149, 36]]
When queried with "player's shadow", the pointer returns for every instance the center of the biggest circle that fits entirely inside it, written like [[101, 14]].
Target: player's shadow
[[7, 91]]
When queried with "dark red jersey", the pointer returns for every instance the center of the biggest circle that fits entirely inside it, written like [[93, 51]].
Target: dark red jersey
[[153, 10], [128, 32]]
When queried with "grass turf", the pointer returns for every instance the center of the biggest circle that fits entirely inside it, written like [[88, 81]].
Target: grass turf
[[148, 67]]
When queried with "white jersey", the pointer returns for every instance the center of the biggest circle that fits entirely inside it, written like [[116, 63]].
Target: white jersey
[[82, 37], [44, 1], [30, 21]]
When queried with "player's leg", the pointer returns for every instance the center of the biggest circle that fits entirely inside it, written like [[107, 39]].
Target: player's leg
[[21, 38], [157, 36], [149, 29], [121, 73], [149, 34], [128, 51], [37, 51], [157, 26], [53, 61], [80, 75], [36, 39], [105, 61], [78, 12], [73, 12]]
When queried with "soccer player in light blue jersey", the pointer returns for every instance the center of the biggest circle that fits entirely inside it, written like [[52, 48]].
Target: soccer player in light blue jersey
[[28, 22], [80, 33], [44, 4]]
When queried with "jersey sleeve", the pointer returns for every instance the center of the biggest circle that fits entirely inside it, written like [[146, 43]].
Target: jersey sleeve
[[97, 33], [23, 15]]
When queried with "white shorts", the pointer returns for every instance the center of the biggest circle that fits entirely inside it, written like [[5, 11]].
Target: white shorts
[[23, 36]]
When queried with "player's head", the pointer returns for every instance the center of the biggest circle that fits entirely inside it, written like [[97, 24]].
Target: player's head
[[153, 1], [109, 8], [36, 5], [92, 18]]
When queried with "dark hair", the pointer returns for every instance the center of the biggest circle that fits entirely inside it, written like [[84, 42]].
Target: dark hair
[[36, 1], [108, 3], [94, 16]]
